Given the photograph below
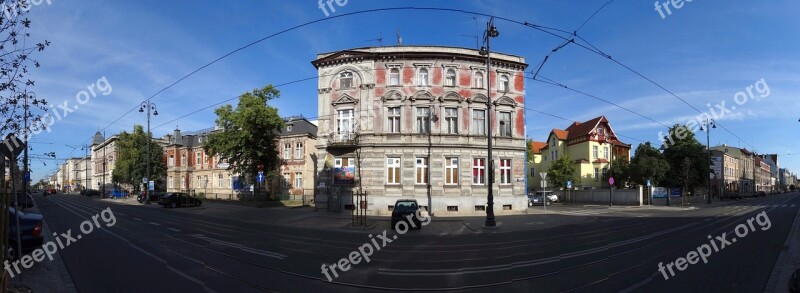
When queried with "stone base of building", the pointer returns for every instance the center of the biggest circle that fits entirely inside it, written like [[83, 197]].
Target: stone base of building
[[439, 206]]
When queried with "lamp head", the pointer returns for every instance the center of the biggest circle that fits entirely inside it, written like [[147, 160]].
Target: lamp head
[[493, 32], [483, 51]]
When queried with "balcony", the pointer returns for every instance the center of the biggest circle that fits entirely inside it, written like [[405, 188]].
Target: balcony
[[342, 140]]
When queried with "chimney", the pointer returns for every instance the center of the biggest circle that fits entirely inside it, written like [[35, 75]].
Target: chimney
[[177, 135]]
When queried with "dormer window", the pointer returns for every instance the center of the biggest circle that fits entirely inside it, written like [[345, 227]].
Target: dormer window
[[288, 127], [346, 80]]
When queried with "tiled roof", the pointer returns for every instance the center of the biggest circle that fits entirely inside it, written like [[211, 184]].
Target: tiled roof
[[578, 129], [561, 134], [537, 146], [600, 161], [582, 161]]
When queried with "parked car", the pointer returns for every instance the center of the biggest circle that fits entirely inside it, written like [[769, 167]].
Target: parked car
[[30, 227], [22, 200], [732, 195], [537, 199], [90, 192], [179, 199], [405, 209], [551, 197], [154, 196]]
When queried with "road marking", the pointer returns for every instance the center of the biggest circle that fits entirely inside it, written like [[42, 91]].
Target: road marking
[[242, 247], [793, 205], [137, 219], [783, 206], [173, 229], [154, 224]]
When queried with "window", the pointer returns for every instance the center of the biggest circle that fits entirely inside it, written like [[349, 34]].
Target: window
[[230, 182], [171, 161], [478, 80], [505, 171], [205, 181], [346, 80], [533, 172], [479, 122], [605, 152], [596, 174], [183, 159], [289, 127], [553, 142], [451, 120], [170, 182], [286, 180], [219, 181], [505, 124], [503, 84], [393, 171], [450, 78], [394, 76], [287, 151], [298, 180], [422, 77], [394, 120], [298, 151], [594, 152], [478, 171], [197, 182], [451, 171], [185, 182], [344, 123], [198, 158], [421, 169], [423, 119]]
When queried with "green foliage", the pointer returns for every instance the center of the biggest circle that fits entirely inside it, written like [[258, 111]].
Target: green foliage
[[529, 150], [688, 159], [620, 169], [250, 132], [648, 163], [131, 164], [561, 171]]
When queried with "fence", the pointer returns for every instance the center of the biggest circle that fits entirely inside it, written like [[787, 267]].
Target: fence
[[601, 196]]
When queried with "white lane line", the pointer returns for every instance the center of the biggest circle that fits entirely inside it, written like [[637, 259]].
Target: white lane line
[[154, 224], [137, 219], [793, 205], [173, 229], [784, 205], [242, 247]]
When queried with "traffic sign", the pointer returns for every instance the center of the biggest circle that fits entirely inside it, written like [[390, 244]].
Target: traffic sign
[[144, 179], [151, 186], [260, 176], [569, 184], [648, 182], [610, 180]]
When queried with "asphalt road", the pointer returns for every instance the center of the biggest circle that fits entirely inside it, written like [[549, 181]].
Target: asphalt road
[[152, 249]]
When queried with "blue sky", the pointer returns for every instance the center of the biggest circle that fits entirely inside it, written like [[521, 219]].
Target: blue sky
[[705, 52]]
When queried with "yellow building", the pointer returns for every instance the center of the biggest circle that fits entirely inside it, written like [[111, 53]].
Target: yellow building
[[592, 145]]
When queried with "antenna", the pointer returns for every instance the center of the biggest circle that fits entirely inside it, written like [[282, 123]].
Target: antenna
[[379, 39], [399, 37]]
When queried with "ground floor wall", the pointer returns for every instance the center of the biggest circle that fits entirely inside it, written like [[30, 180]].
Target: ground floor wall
[[447, 181]]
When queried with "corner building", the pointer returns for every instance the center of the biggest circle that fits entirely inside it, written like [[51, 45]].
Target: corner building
[[411, 122]]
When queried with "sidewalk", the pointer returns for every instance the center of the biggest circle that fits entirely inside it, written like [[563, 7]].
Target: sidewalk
[[788, 261], [45, 276]]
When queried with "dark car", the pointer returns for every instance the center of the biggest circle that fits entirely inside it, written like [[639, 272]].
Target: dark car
[[22, 201], [179, 199], [154, 196], [90, 192], [405, 210], [732, 195], [30, 227], [537, 199]]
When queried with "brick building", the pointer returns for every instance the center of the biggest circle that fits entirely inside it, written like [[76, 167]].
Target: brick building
[[411, 122]]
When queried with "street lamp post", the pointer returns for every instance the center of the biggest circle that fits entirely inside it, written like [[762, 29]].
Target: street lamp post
[[491, 32], [709, 123], [149, 106]]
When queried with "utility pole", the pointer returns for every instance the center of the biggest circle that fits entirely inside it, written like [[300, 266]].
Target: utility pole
[[491, 32], [149, 106], [709, 124]]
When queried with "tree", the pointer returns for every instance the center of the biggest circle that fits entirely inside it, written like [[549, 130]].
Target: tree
[[620, 169], [689, 161], [529, 150], [561, 171], [250, 136], [648, 163], [131, 166]]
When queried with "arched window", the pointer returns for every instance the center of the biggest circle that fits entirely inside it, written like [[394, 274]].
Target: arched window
[[478, 80], [503, 83], [422, 77], [346, 80], [394, 76], [450, 78]]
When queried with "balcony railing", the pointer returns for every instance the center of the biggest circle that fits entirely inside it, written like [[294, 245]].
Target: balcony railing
[[342, 139]]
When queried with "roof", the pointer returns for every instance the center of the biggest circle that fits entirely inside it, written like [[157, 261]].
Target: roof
[[582, 161], [537, 146], [578, 129], [299, 126], [600, 161], [560, 134]]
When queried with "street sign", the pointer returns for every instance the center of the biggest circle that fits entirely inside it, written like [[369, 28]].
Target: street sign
[[648, 182], [151, 186], [610, 180], [569, 184], [12, 147], [27, 176], [144, 179], [260, 176]]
